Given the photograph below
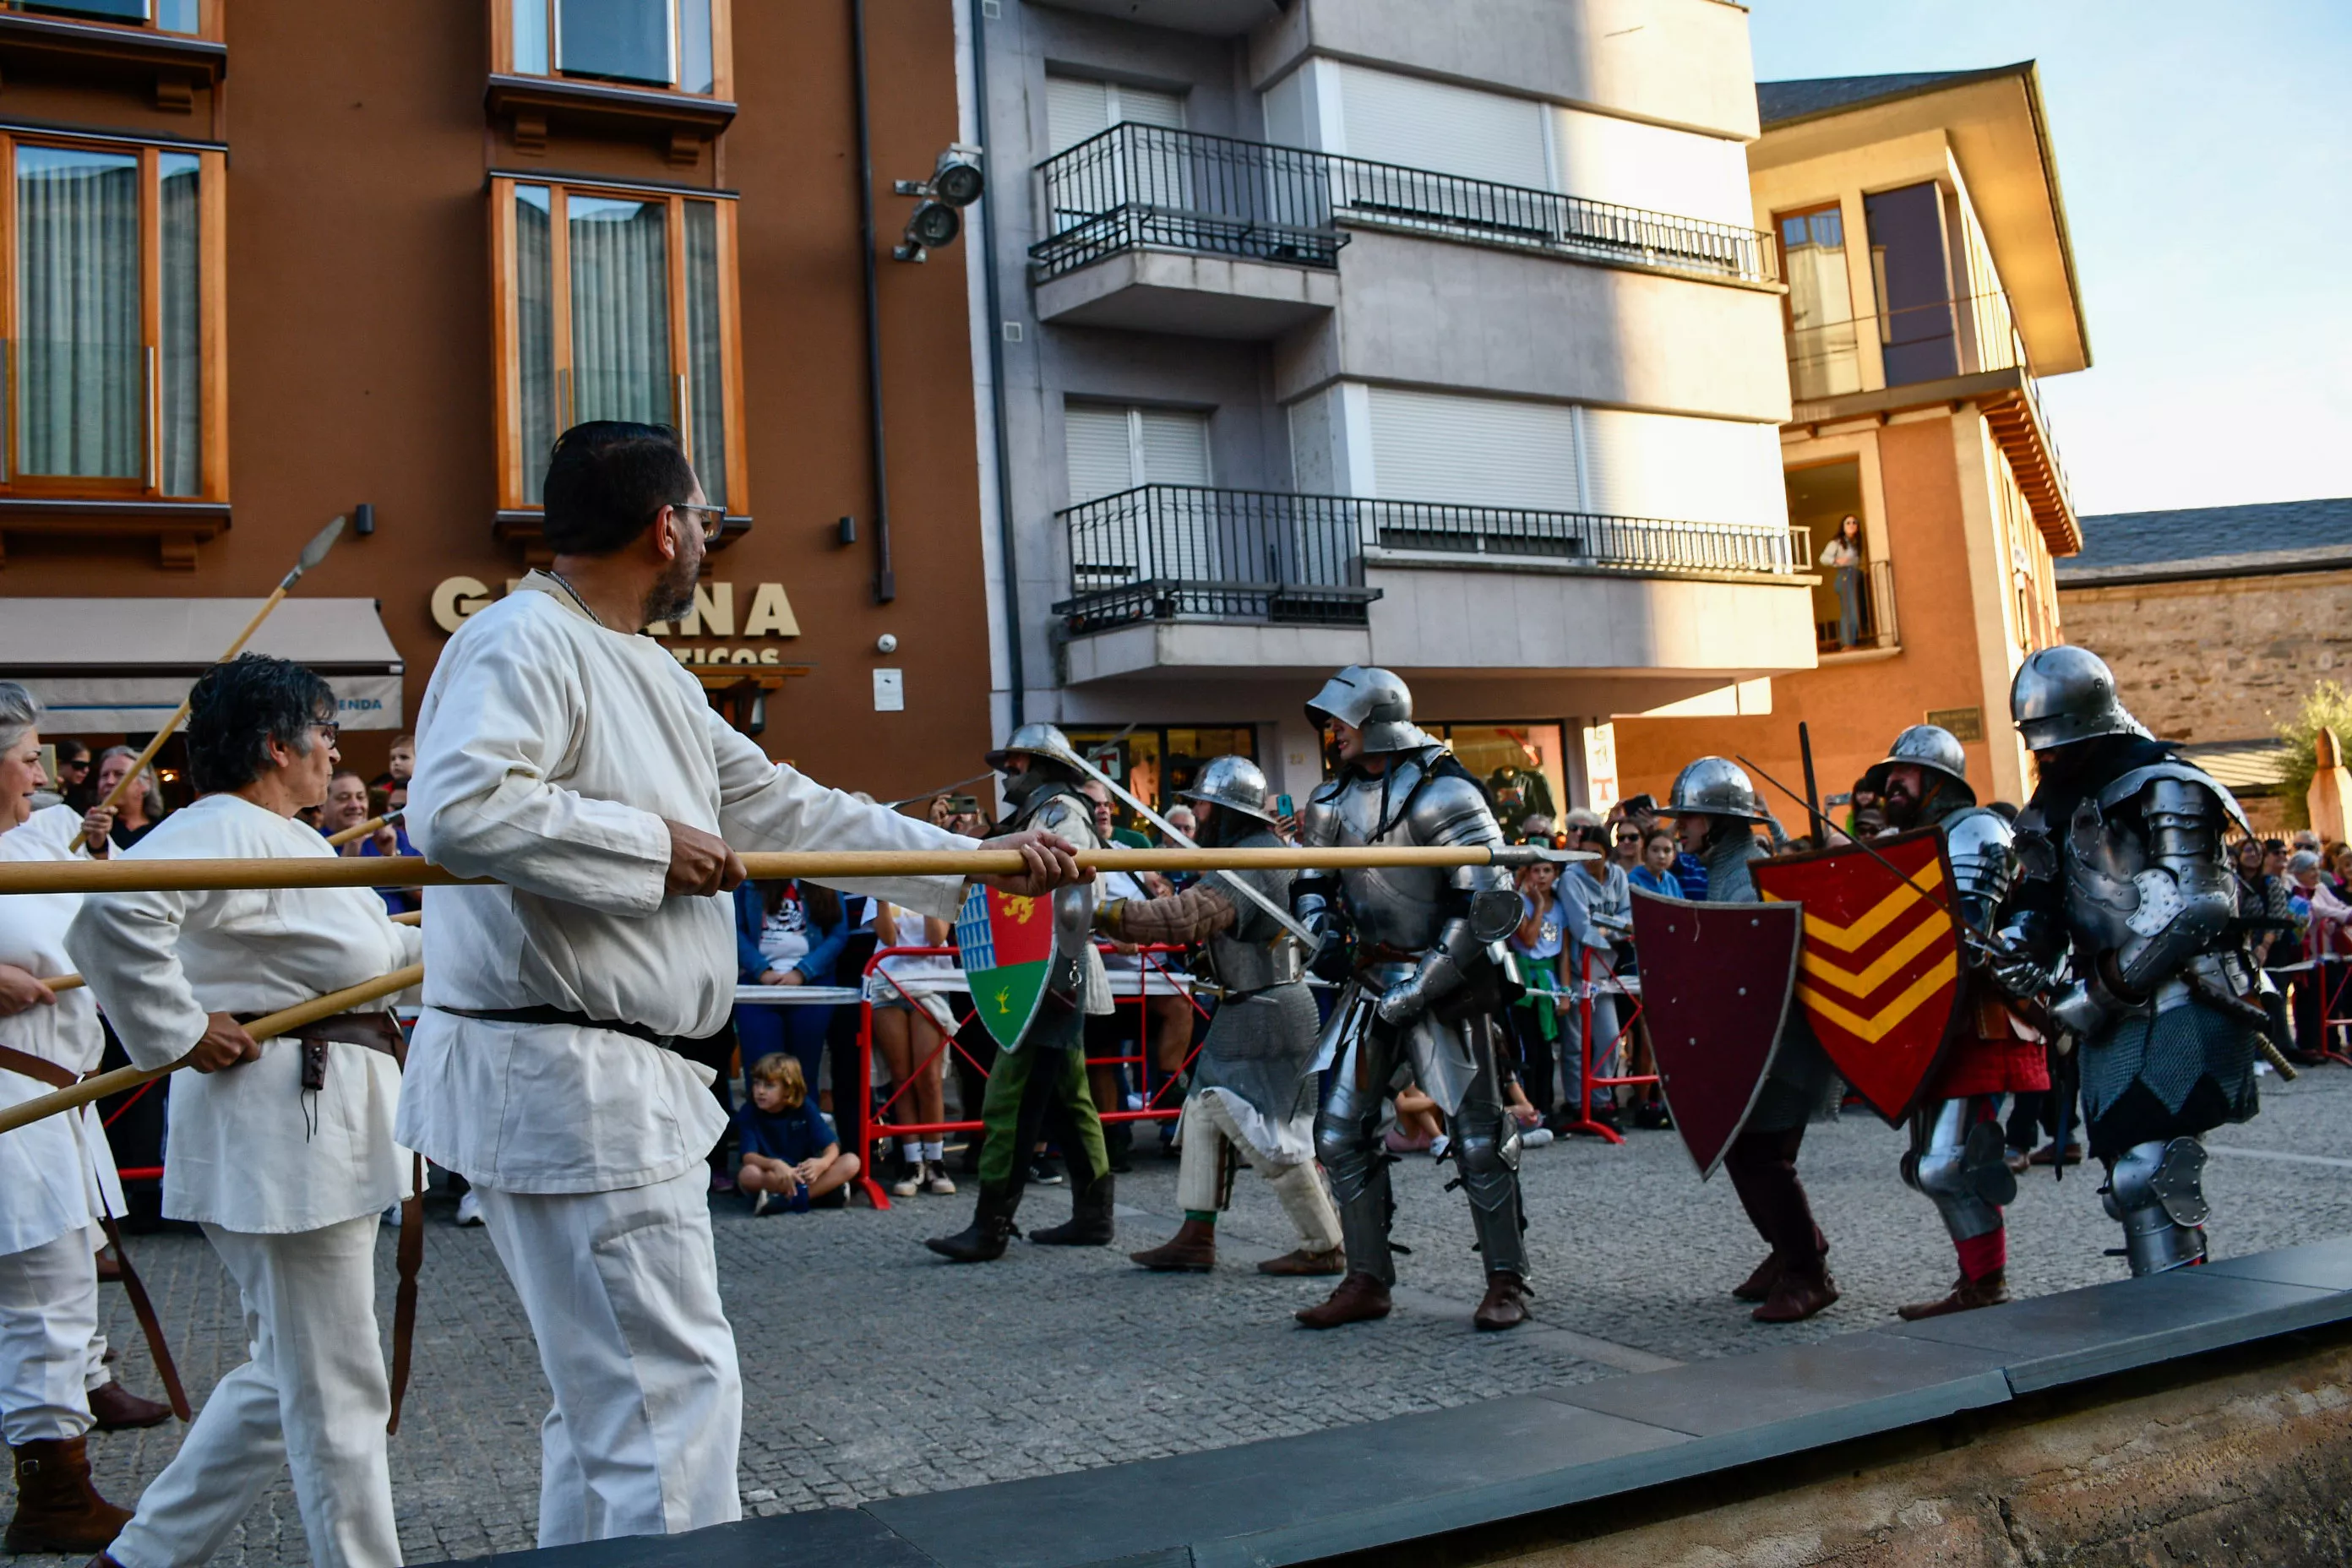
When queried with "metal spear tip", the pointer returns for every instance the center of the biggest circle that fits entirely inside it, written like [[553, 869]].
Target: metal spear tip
[[316, 551], [1518, 856]]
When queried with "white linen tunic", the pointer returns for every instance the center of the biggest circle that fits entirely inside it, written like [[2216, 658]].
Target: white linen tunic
[[55, 1173], [249, 1149], [550, 751]]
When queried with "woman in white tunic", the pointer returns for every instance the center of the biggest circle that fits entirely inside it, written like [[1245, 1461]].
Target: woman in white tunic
[[282, 1150], [577, 763], [57, 1177]]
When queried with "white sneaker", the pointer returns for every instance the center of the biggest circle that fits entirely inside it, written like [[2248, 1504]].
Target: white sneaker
[[1535, 1137], [469, 1208], [392, 1215], [1439, 1145], [907, 1186], [935, 1180], [759, 1203]]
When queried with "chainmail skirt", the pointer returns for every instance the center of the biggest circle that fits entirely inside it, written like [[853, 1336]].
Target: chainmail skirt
[[2185, 1071]]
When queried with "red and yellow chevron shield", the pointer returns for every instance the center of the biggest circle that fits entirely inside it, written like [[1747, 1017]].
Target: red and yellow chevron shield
[[1878, 975]]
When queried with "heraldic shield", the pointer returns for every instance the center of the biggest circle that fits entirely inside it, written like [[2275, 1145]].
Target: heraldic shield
[[1715, 981], [1007, 946], [1879, 979]]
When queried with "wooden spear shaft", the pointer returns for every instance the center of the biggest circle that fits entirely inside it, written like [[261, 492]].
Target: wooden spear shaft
[[333, 1002], [75, 982], [361, 829], [139, 876]]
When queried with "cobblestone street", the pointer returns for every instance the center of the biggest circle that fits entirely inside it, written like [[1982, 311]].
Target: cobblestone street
[[872, 1369]]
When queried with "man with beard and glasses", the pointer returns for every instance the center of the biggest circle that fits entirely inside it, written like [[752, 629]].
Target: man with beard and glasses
[[575, 762]]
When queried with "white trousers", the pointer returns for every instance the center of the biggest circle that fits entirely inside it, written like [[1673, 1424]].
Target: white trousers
[[314, 1399], [1209, 1126], [50, 1349], [622, 1291]]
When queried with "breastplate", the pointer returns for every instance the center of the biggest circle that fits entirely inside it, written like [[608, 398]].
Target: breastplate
[[1398, 906], [2100, 856]]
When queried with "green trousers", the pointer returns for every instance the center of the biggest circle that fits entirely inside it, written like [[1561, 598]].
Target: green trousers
[[1037, 1090]]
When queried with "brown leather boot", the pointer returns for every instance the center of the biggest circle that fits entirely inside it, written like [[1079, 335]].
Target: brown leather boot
[[1191, 1250], [1759, 1284], [1803, 1289], [56, 1508], [1360, 1299], [1967, 1296], [1302, 1262], [1506, 1306], [116, 1409]]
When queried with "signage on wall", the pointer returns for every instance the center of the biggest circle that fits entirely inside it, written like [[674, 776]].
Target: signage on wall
[[717, 631], [1965, 723]]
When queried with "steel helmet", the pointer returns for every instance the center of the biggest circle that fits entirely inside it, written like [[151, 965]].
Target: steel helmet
[[2065, 694], [1045, 740], [1232, 783], [1927, 746], [1373, 701], [1715, 786]]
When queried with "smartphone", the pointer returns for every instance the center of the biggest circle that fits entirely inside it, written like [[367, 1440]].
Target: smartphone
[[1282, 807], [964, 804]]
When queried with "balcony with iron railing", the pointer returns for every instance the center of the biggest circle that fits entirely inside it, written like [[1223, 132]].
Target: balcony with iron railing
[[1137, 189], [1953, 350], [1856, 615], [1169, 552]]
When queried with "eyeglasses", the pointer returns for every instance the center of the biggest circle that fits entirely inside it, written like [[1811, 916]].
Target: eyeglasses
[[329, 730], [710, 518]]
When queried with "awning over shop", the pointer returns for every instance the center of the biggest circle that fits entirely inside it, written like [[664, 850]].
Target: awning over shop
[[109, 666]]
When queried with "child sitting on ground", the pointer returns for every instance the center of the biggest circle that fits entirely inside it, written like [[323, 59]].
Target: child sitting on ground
[[791, 1157]]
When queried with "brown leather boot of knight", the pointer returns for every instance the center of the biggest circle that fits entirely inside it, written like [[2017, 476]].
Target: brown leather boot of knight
[[1358, 1299], [1759, 1284], [1191, 1250], [56, 1508], [1967, 1296], [115, 1408], [1803, 1289], [1506, 1306]]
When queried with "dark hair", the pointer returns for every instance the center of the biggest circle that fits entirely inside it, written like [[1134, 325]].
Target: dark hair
[[72, 751], [606, 480], [237, 709]]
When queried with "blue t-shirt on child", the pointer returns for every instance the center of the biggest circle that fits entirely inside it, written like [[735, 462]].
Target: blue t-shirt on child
[[792, 1136]]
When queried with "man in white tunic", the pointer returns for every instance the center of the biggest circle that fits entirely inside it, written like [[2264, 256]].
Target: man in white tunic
[[573, 760], [57, 1179], [282, 1150]]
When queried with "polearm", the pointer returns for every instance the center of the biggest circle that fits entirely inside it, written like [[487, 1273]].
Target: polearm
[[75, 982], [312, 553], [333, 1002], [142, 875], [361, 829]]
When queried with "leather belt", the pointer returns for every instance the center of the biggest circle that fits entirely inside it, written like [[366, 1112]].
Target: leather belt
[[43, 1070], [544, 1013]]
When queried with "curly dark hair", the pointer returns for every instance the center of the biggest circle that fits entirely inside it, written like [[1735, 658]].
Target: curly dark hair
[[605, 481], [238, 708]]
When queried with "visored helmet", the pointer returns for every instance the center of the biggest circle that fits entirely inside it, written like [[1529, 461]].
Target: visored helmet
[[1715, 786], [1927, 746], [1373, 701], [2064, 694], [1045, 740], [1236, 784]]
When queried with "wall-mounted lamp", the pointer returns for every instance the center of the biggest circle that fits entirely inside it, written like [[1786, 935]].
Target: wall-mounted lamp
[[363, 519], [955, 183]]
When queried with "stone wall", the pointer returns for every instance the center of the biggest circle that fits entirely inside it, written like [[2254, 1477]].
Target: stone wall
[[2223, 660], [2244, 1457]]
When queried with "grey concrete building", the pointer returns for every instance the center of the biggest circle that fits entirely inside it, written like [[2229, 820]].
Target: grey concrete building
[[1321, 331]]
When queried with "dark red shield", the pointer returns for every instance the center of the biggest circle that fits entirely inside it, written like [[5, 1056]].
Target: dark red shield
[[1879, 979], [1715, 980]]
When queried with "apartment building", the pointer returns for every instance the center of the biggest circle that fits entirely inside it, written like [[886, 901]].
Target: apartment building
[[272, 262], [1920, 224], [1329, 332]]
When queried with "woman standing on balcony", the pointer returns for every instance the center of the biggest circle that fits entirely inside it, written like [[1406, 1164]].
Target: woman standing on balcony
[[1843, 554]]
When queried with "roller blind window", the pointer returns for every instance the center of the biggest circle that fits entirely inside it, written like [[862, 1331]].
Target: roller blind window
[[1112, 448], [1077, 108], [1472, 451]]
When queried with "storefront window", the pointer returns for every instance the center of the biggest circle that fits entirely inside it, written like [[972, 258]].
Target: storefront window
[[1523, 766], [1159, 763]]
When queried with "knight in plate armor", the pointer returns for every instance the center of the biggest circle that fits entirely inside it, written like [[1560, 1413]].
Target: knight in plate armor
[[1424, 993], [1956, 1159], [1252, 1095], [1717, 813], [2123, 918], [1041, 1085]]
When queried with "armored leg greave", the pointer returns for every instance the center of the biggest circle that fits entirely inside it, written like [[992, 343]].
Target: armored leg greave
[[1347, 1140], [2156, 1190], [1486, 1151], [1956, 1159]]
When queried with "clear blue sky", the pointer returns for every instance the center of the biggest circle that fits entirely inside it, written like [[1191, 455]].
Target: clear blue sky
[[2205, 154]]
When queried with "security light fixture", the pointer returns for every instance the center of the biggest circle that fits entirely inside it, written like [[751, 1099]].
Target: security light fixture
[[956, 181]]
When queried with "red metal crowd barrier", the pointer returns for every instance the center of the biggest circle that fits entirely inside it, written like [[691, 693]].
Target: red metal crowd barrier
[[1585, 1082], [877, 1129]]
